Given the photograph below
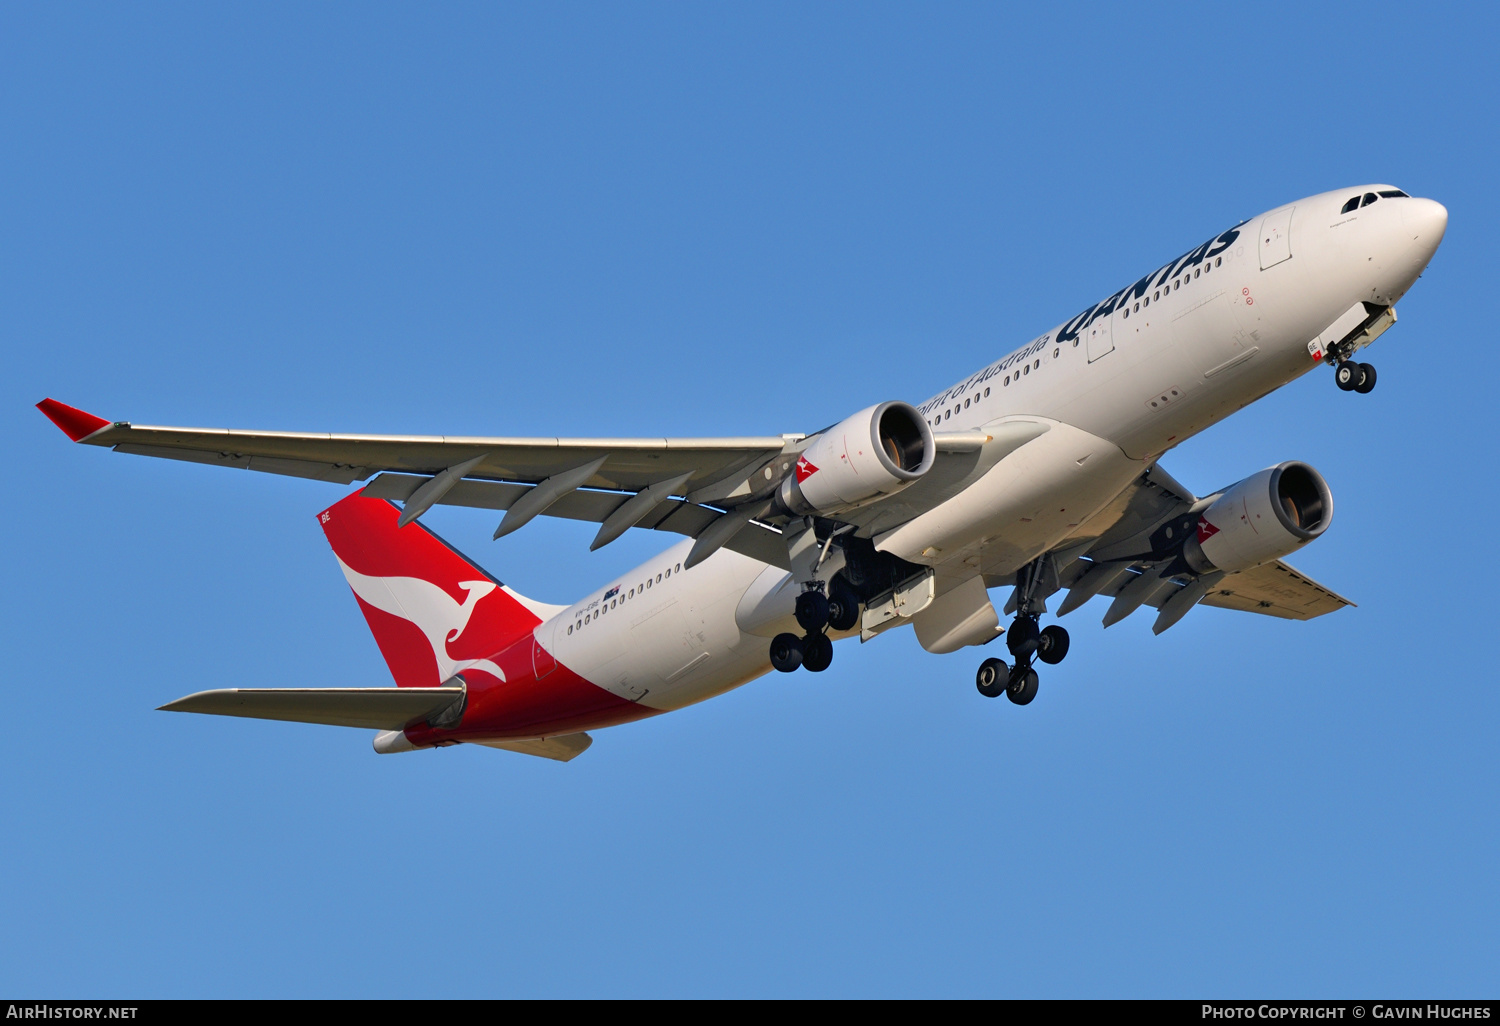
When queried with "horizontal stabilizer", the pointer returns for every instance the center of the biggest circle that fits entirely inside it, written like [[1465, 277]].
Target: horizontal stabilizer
[[564, 748], [377, 708]]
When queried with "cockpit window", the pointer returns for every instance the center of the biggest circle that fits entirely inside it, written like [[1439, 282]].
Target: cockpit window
[[1393, 193], [1351, 205], [1370, 197]]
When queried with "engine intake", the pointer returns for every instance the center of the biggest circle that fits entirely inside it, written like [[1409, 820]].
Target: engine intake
[[876, 452], [1264, 517]]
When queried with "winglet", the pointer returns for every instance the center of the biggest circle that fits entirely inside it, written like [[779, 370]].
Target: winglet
[[76, 424]]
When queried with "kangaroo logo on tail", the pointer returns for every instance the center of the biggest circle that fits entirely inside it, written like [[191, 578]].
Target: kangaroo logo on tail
[[433, 612]]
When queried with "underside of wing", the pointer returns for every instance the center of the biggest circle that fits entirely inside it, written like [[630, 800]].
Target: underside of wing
[[1275, 589], [716, 490], [630, 463]]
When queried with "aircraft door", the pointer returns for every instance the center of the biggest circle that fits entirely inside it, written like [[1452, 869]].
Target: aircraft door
[[1276, 237], [1101, 337]]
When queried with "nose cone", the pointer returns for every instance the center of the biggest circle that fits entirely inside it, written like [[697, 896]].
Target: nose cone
[[1425, 222]]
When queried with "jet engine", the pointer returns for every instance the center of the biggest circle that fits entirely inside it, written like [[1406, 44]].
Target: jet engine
[[878, 451], [1264, 517]]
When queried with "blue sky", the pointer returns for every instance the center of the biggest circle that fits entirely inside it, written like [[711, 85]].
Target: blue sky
[[715, 220]]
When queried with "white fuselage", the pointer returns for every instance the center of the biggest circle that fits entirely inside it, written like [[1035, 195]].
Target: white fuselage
[[1118, 385]]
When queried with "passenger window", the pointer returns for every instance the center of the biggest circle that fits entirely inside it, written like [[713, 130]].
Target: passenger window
[[1146, 301], [1056, 353], [658, 578], [1218, 261], [1006, 381], [1158, 294], [986, 393], [1026, 369], [1126, 313], [1037, 365], [1137, 307], [1351, 205], [678, 568], [1196, 272], [1370, 197], [1207, 268]]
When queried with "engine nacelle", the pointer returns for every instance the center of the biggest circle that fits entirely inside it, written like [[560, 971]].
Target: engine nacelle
[[1264, 517], [878, 451]]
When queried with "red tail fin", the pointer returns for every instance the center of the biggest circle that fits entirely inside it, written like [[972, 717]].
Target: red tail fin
[[433, 613]]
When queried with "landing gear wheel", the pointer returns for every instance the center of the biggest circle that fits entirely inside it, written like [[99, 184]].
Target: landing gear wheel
[[817, 652], [812, 611], [786, 652], [1023, 637], [991, 678], [1053, 645], [843, 607], [1347, 375], [1021, 688], [1367, 380]]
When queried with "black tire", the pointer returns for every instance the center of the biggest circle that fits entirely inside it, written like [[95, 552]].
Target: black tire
[[1347, 375], [1053, 645], [812, 611], [992, 677], [817, 652], [843, 606], [1021, 688], [1367, 380], [1022, 638], [786, 652]]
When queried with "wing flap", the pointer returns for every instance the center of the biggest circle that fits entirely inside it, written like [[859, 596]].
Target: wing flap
[[375, 708]]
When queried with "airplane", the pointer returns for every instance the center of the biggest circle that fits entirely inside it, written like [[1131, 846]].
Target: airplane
[[1038, 472]]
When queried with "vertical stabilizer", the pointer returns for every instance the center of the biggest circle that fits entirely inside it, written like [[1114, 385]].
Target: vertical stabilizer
[[432, 611]]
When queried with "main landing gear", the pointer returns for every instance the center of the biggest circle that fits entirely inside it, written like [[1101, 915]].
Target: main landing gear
[[1025, 640], [816, 613], [1354, 377]]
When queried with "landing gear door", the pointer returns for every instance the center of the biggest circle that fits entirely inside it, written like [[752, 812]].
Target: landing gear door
[[1276, 237], [1101, 337]]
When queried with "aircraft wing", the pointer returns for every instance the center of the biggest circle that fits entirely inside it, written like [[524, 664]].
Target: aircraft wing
[[680, 485], [1134, 535], [588, 479], [630, 464]]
